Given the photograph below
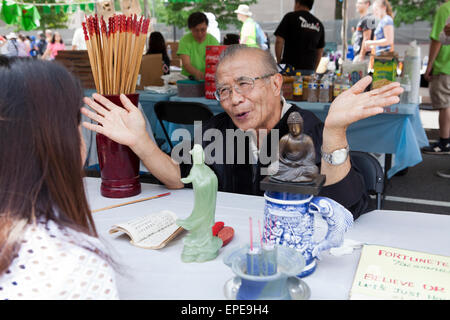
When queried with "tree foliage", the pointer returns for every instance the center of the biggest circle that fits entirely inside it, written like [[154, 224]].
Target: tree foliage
[[56, 19], [410, 11], [177, 13]]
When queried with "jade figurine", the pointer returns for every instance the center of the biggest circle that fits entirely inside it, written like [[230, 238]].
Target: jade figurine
[[199, 244]]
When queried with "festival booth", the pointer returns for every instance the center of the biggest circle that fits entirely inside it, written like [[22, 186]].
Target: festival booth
[[280, 246]]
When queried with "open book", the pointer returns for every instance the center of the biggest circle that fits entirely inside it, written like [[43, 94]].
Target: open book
[[152, 231], [393, 273]]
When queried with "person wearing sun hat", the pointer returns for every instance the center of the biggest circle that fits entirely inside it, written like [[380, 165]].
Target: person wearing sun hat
[[12, 46], [248, 30], [11, 35]]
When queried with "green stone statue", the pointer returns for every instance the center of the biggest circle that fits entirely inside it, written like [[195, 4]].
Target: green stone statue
[[199, 244]]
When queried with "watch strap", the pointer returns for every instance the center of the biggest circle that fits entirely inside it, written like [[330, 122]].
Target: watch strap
[[328, 157]]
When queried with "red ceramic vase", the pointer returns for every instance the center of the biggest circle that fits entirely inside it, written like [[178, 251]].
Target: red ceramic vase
[[119, 165]]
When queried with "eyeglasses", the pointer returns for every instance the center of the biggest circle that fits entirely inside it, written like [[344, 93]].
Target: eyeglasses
[[243, 85]]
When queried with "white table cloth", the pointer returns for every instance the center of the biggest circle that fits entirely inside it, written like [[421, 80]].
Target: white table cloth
[[160, 274]]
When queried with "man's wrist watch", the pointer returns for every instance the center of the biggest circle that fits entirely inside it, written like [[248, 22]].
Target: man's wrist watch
[[337, 157]]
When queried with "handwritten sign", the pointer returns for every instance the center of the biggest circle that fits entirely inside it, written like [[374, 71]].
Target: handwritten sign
[[393, 273]]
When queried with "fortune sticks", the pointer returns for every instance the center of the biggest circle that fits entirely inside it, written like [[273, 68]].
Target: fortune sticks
[[115, 51]]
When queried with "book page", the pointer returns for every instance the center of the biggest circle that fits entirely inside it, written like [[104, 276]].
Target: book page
[[156, 240], [152, 226], [394, 273]]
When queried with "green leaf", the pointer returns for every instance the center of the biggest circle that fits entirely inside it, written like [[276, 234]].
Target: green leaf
[[410, 11], [177, 12]]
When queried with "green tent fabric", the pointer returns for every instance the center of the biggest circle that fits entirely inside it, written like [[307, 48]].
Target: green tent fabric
[[46, 9], [26, 15], [30, 17], [10, 12]]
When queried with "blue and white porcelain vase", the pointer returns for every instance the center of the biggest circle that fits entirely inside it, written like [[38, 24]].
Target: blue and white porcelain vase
[[289, 221]]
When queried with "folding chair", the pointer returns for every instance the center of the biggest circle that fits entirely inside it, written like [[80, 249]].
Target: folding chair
[[372, 172]]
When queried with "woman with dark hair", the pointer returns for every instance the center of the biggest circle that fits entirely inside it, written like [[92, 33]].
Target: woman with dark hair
[[57, 44], [48, 241], [156, 44], [192, 46]]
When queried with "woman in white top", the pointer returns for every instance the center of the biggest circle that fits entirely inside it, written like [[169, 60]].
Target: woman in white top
[[48, 242]]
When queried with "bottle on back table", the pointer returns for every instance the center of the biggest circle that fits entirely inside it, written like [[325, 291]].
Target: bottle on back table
[[298, 87]]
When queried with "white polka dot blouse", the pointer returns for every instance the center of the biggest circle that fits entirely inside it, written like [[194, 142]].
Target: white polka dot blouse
[[51, 265]]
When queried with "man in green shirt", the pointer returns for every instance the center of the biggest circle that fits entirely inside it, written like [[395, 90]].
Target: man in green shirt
[[438, 73], [192, 46]]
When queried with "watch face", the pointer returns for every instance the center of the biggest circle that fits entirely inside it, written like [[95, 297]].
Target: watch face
[[339, 156]]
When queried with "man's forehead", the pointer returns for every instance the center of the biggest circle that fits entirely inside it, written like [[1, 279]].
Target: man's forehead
[[245, 64]]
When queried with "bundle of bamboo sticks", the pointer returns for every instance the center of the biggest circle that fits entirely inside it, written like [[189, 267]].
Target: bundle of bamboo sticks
[[115, 51]]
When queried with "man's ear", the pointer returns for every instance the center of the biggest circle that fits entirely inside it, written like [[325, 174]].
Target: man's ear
[[276, 83]]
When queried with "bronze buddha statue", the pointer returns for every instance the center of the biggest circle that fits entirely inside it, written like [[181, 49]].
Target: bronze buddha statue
[[296, 154]]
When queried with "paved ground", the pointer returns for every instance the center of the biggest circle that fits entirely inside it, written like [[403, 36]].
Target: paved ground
[[420, 189]]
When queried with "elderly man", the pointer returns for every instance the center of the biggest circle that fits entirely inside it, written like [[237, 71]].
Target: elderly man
[[250, 93]]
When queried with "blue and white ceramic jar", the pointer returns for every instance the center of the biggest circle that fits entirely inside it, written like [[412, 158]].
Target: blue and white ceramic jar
[[289, 222]]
